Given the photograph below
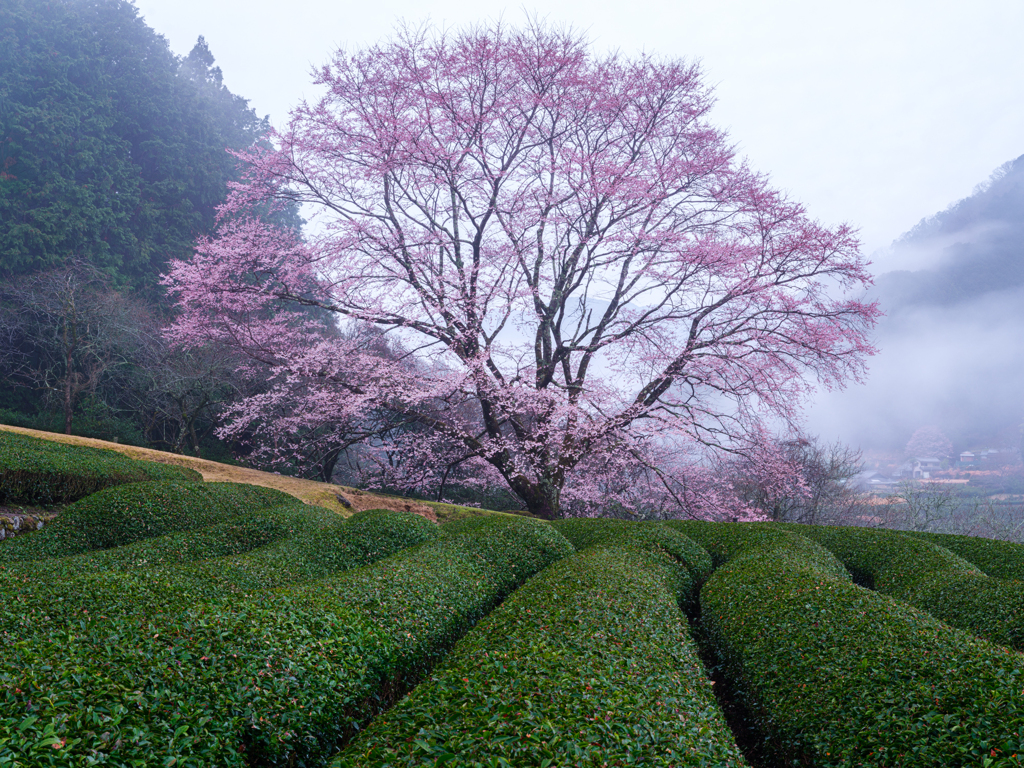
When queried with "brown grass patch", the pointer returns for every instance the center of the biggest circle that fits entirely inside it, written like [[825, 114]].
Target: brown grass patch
[[339, 498]]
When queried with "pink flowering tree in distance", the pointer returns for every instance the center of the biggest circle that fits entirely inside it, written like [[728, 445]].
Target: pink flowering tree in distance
[[929, 441], [592, 291]]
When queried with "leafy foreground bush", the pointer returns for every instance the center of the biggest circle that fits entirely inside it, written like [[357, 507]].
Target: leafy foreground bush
[[695, 562], [928, 577], [34, 471], [999, 559], [278, 679], [837, 675], [125, 514], [590, 663], [248, 531], [724, 542], [285, 545]]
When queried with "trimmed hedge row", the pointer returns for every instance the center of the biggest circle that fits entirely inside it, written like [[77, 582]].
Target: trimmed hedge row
[[695, 562], [999, 559], [585, 533], [278, 679], [885, 560], [725, 541], [837, 675], [928, 577], [159, 575], [590, 663], [35, 471], [125, 514]]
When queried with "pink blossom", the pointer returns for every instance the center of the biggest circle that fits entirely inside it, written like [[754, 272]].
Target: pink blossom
[[592, 290]]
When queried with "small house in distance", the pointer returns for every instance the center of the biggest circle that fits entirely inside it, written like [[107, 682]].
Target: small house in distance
[[873, 480], [920, 467], [989, 457]]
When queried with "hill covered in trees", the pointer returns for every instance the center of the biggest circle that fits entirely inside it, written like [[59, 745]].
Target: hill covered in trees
[[112, 149], [974, 248], [114, 155], [950, 340]]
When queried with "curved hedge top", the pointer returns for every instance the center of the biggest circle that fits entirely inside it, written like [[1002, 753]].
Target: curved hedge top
[[887, 561], [272, 678], [656, 538], [727, 541], [931, 578], [589, 663], [508, 545], [842, 677], [249, 556], [35, 471], [124, 514], [999, 559]]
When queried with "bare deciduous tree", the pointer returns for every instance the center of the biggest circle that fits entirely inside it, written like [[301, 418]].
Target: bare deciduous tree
[[64, 329]]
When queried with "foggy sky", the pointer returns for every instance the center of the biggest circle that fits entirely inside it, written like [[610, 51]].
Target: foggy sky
[[875, 113]]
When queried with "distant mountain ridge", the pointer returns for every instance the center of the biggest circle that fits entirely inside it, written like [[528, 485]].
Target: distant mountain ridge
[[952, 339], [977, 246]]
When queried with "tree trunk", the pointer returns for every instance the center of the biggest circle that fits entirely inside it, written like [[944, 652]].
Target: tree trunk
[[68, 403], [542, 498], [330, 461]]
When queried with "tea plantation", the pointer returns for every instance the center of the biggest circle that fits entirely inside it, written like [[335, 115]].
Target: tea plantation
[[163, 621]]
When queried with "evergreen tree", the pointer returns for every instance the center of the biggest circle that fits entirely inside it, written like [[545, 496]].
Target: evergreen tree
[[112, 149]]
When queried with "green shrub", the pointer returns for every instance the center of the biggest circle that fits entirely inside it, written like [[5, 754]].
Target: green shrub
[[838, 675], [313, 549], [272, 547], [584, 533], [124, 514], [250, 530], [929, 577], [724, 541], [34, 471], [999, 559], [375, 533], [276, 679], [589, 663], [511, 545], [884, 560], [245, 532]]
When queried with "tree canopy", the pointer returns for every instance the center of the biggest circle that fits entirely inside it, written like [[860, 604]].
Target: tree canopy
[[589, 284], [112, 149]]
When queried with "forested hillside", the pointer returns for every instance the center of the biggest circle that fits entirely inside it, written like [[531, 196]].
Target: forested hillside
[[973, 248], [112, 149], [114, 155], [950, 340]]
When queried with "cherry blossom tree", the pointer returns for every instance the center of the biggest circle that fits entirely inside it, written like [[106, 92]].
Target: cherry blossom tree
[[929, 441], [593, 287]]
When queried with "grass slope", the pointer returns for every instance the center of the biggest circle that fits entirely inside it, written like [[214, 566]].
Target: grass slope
[[338, 498]]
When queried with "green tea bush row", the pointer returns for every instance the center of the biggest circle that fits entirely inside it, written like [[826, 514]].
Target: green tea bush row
[[584, 533], [838, 675], [726, 541], [884, 560], [929, 577], [277, 679], [125, 514], [999, 559], [35, 471], [590, 663], [694, 561], [274, 548]]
